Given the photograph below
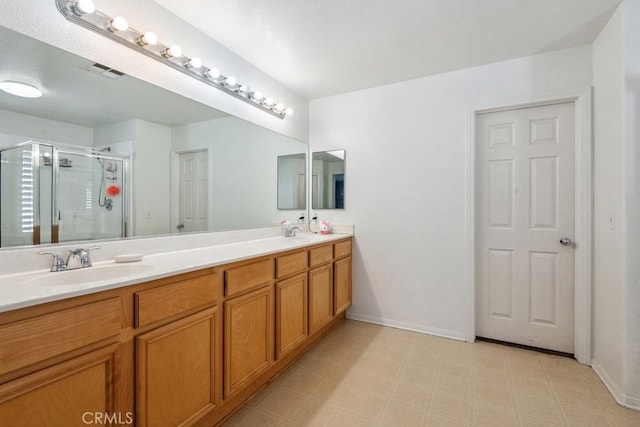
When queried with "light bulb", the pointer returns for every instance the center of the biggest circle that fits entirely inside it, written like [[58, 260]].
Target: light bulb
[[172, 52], [193, 63], [211, 73], [268, 102], [244, 90], [82, 7], [118, 24], [278, 108], [288, 112], [23, 90], [230, 81], [148, 38], [257, 96]]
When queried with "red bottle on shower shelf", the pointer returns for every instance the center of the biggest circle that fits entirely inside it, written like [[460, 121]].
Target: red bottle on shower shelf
[[113, 190]]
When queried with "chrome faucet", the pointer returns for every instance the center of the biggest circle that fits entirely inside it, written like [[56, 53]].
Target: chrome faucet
[[78, 258], [290, 231], [58, 263]]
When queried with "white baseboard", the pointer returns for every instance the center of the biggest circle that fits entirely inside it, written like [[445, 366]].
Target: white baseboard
[[444, 333], [618, 395]]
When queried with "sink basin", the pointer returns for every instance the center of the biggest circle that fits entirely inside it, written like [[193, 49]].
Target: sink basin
[[89, 274], [305, 238]]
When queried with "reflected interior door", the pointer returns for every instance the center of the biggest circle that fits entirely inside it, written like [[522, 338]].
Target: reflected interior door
[[194, 184], [338, 191], [525, 206]]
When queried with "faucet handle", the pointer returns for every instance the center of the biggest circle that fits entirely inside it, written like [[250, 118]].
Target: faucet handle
[[82, 255], [58, 263]]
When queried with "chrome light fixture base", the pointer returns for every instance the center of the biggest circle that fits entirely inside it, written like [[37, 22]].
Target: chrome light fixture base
[[101, 23]]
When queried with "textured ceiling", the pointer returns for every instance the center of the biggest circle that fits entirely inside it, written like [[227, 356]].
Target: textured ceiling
[[72, 94], [325, 47]]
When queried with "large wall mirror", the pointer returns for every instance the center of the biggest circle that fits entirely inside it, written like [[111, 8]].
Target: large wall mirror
[[327, 179], [188, 166]]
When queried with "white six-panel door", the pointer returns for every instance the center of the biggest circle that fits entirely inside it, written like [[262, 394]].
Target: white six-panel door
[[525, 206], [194, 184]]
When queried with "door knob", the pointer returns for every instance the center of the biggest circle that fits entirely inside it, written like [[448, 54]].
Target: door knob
[[180, 226], [565, 241]]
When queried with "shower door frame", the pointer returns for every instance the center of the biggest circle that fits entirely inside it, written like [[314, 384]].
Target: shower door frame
[[57, 150], [55, 176], [35, 170]]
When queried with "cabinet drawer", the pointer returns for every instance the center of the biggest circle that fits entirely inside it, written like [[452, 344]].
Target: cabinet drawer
[[320, 255], [42, 337], [169, 300], [248, 276], [290, 264], [341, 249]]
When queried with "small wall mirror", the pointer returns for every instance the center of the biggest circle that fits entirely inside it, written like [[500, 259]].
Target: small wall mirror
[[292, 181], [327, 180]]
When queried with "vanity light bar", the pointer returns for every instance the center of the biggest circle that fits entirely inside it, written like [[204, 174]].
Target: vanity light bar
[[84, 13]]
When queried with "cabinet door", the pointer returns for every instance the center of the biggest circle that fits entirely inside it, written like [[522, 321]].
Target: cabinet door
[[342, 284], [176, 368], [248, 338], [320, 297], [291, 313], [71, 393]]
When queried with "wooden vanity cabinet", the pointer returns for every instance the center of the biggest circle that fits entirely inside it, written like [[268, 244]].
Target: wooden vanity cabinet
[[176, 371], [59, 361], [183, 350], [64, 393], [342, 284], [292, 325], [291, 301], [248, 338], [320, 297], [248, 322], [177, 362]]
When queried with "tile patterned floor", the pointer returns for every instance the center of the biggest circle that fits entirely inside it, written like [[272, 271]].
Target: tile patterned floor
[[369, 375]]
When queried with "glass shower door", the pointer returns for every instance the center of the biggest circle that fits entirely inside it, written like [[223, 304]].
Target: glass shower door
[[25, 193], [89, 201]]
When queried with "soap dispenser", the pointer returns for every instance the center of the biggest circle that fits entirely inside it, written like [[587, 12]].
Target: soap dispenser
[[314, 226]]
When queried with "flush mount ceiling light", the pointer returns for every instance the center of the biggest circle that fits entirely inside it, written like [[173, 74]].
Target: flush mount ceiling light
[[84, 13], [23, 90]]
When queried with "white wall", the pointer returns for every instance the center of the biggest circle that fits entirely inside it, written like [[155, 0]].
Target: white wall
[[150, 172], [41, 20], [106, 135], [405, 181], [608, 264], [152, 179], [17, 127], [632, 200], [243, 172], [616, 67], [291, 182]]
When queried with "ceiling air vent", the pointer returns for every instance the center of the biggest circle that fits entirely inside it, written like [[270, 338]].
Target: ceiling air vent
[[105, 71]]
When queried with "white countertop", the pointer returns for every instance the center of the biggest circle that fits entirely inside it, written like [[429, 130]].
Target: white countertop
[[37, 287]]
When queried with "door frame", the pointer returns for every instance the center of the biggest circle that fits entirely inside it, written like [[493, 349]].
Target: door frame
[[583, 199], [175, 186]]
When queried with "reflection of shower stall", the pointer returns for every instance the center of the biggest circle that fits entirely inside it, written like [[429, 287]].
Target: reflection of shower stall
[[52, 194]]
